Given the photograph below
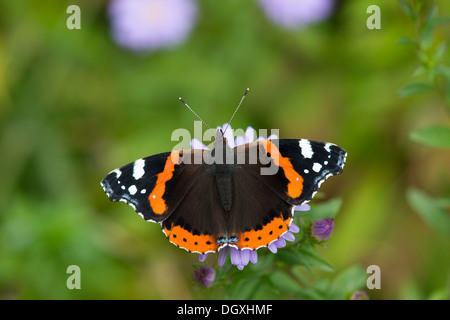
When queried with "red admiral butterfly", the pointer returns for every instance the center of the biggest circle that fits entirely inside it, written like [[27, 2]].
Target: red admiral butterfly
[[208, 199]]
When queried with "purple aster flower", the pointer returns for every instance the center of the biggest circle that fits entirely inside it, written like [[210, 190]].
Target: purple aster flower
[[295, 13], [146, 25], [241, 258], [322, 229], [359, 295], [249, 136], [205, 276]]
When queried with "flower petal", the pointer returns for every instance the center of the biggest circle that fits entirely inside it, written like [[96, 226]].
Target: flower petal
[[202, 257], [223, 253], [245, 257], [196, 144], [235, 256], [253, 256], [302, 207], [228, 134], [239, 140], [272, 247], [280, 242], [294, 228], [249, 135], [288, 236]]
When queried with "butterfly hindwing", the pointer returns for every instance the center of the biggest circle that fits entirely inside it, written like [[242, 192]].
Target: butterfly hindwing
[[270, 215], [199, 220]]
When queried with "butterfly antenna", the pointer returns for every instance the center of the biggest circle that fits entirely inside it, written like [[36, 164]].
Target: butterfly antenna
[[239, 105], [183, 102]]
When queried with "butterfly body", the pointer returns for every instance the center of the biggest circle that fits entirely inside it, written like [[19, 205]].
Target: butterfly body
[[242, 197]]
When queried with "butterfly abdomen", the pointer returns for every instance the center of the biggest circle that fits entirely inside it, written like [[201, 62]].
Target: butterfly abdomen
[[222, 173]]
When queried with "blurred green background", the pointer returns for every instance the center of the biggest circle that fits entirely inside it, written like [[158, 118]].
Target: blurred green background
[[74, 105]]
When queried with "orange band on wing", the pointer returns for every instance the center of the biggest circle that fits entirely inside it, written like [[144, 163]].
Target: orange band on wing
[[193, 243], [156, 197], [295, 186], [255, 239]]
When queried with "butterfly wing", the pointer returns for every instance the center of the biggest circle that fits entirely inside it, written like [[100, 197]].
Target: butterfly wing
[[199, 221], [276, 175], [259, 216], [148, 185], [295, 169]]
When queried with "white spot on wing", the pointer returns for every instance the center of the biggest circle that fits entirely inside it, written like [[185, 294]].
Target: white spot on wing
[[305, 146], [327, 146], [143, 191], [132, 190], [316, 167], [138, 169], [118, 173]]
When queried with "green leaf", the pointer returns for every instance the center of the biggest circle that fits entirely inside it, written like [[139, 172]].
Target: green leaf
[[327, 209], [440, 51], [434, 136], [407, 9], [305, 257], [430, 211], [443, 70], [441, 21], [432, 14], [420, 70], [443, 202], [352, 279], [406, 40], [414, 88], [315, 260], [426, 37], [282, 281], [243, 287]]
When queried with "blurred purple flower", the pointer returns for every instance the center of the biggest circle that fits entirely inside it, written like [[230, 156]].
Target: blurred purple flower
[[359, 295], [205, 276], [241, 258], [146, 25], [295, 13], [322, 229]]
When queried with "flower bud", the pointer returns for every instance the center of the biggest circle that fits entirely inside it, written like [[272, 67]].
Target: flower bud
[[205, 276], [322, 229]]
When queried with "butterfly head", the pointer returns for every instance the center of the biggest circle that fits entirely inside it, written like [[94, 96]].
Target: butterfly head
[[220, 139]]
